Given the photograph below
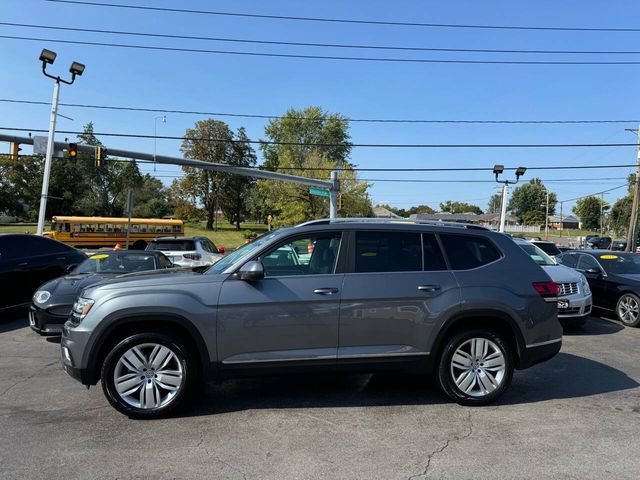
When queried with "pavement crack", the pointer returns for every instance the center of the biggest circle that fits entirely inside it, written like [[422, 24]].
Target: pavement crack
[[456, 438], [29, 377]]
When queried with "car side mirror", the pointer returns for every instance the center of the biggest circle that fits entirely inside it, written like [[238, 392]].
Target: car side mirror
[[251, 271], [593, 271], [71, 268]]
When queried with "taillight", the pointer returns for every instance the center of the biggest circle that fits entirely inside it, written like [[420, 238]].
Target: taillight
[[546, 289], [192, 256]]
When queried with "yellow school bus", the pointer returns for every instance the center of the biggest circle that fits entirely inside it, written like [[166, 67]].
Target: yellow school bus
[[90, 232]]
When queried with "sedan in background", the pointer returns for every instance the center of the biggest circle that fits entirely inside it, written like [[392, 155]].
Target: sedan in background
[[27, 261], [614, 278], [52, 302], [574, 294], [187, 252]]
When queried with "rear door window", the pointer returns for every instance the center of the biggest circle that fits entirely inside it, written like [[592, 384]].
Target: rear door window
[[466, 251], [388, 252], [433, 258], [569, 260]]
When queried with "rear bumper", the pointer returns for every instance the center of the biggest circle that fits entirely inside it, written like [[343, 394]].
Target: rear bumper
[[533, 354]]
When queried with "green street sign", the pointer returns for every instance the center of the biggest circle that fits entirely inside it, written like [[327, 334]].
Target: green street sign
[[321, 192]]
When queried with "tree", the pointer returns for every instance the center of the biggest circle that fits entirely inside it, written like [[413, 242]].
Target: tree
[[531, 197], [151, 199], [309, 127], [495, 203], [401, 212], [235, 190], [533, 217], [210, 141], [588, 209], [459, 207], [620, 215]]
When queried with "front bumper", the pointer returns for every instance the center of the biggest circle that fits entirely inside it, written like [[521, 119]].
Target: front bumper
[[44, 322], [72, 347], [578, 306]]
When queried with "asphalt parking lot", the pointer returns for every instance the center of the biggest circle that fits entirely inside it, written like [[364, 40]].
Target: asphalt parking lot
[[575, 417]]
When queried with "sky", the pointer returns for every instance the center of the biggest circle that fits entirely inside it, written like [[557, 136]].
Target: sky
[[261, 85]]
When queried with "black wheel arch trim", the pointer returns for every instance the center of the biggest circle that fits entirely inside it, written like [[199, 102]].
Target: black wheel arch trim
[[448, 326], [92, 375]]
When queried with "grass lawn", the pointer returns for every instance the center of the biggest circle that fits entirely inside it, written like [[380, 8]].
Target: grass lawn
[[226, 236]]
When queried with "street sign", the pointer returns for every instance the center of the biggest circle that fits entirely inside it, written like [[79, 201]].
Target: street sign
[[40, 145], [321, 192]]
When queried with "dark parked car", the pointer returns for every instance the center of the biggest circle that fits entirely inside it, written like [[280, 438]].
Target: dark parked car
[[27, 261], [614, 278], [549, 248], [598, 242], [461, 301], [52, 302]]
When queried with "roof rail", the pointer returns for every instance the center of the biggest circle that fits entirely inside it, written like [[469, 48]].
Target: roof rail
[[406, 221]]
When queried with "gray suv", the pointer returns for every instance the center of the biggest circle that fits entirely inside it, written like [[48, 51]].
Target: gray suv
[[459, 301]]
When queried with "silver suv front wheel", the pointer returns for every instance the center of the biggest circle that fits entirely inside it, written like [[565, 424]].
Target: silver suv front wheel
[[147, 375], [475, 367]]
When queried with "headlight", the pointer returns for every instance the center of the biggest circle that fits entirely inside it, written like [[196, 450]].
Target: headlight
[[41, 296], [585, 286], [82, 307]]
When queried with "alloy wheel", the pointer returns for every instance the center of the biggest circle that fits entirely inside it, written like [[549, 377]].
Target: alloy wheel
[[628, 309], [148, 376], [478, 367]]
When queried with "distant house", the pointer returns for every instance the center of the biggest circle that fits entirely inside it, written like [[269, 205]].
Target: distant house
[[381, 212], [487, 219], [564, 222]]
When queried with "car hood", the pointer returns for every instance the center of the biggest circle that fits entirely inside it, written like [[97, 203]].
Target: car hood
[[155, 278], [562, 274], [71, 285]]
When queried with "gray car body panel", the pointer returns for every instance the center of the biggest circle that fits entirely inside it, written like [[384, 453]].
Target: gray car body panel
[[370, 316]]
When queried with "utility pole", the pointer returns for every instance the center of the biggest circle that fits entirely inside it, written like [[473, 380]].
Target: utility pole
[[601, 213], [633, 221], [561, 220], [546, 219], [503, 206]]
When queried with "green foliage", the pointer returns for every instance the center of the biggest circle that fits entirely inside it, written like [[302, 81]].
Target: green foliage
[[588, 209], [459, 207], [405, 213], [533, 217], [620, 215], [495, 203], [531, 197]]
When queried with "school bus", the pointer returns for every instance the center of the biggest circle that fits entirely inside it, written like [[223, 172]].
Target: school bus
[[90, 232]]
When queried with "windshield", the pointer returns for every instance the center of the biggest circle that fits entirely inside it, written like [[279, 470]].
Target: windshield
[[537, 254], [244, 252], [108, 263], [172, 245], [620, 264]]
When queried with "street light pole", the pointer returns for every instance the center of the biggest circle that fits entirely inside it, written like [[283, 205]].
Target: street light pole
[[155, 136], [497, 170], [48, 158], [47, 57], [546, 219]]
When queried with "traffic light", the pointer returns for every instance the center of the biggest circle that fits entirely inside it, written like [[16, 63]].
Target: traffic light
[[15, 150], [101, 156], [73, 151]]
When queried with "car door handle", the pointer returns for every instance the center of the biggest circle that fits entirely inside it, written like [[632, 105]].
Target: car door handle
[[429, 288], [61, 258], [325, 291], [23, 264]]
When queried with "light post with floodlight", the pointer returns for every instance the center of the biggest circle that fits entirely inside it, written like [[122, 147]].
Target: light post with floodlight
[[47, 57], [155, 135], [497, 170]]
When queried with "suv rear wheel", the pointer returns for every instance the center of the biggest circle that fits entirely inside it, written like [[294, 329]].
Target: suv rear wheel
[[148, 375], [475, 367]]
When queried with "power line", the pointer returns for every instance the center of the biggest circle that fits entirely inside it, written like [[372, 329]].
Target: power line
[[413, 170], [362, 145], [594, 194], [320, 57], [273, 117], [346, 20], [311, 44]]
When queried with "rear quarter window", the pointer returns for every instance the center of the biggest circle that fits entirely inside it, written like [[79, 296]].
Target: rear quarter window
[[466, 251]]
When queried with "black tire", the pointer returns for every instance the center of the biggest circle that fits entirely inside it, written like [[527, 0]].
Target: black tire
[[445, 372], [628, 320], [182, 361]]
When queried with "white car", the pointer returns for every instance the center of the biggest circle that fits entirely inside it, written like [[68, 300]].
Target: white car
[[188, 252], [574, 294]]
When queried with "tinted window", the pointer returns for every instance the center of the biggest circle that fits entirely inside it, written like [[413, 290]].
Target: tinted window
[[32, 245], [569, 259], [117, 263], [388, 252], [587, 261], [433, 259], [164, 262], [548, 248], [466, 252], [172, 245], [620, 264], [313, 255]]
